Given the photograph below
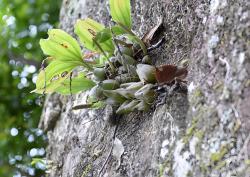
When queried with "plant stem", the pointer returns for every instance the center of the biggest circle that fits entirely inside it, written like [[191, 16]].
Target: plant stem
[[114, 41], [117, 46], [103, 52], [137, 39]]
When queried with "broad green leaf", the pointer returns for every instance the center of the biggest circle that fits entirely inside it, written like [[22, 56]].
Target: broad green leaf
[[61, 46], [51, 86], [121, 12], [80, 83], [87, 30], [50, 78]]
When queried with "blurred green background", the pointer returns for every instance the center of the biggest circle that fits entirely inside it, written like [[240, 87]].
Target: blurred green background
[[22, 24]]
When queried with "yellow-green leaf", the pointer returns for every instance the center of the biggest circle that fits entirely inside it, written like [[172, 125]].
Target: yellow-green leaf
[[61, 46], [80, 83], [121, 12], [87, 30], [50, 78], [98, 105]]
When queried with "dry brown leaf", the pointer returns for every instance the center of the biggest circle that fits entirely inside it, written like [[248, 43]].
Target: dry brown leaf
[[89, 55], [148, 36], [167, 73]]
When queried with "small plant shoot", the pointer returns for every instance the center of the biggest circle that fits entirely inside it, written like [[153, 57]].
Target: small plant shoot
[[116, 70]]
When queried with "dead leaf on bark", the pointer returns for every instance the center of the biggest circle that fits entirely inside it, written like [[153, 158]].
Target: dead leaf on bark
[[165, 74], [149, 36], [89, 55]]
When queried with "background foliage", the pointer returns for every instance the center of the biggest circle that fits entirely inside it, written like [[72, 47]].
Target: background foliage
[[22, 24]]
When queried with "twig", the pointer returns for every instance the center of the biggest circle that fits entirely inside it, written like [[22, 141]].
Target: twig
[[114, 41], [105, 55], [118, 48]]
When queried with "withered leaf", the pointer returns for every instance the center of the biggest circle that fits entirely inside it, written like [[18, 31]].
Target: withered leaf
[[148, 36], [167, 73], [89, 55]]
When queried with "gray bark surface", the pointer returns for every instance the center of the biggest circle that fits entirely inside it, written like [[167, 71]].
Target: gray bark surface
[[204, 132]]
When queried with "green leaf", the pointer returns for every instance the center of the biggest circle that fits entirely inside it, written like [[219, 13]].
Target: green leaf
[[61, 46], [98, 105], [117, 30], [103, 35], [92, 105], [51, 77], [87, 30], [80, 83], [121, 12]]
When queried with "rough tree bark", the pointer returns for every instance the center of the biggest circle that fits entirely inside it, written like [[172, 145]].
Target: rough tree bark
[[204, 132]]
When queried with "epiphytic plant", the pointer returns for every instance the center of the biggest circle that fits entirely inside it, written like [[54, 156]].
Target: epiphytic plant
[[117, 70]]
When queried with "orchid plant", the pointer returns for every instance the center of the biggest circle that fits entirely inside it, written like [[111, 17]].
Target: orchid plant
[[112, 69]]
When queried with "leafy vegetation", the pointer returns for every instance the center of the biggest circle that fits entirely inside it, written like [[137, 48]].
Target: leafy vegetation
[[119, 78], [22, 24]]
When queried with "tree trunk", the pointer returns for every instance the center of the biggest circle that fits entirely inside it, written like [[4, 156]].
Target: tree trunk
[[201, 132]]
